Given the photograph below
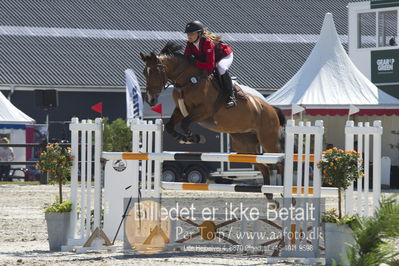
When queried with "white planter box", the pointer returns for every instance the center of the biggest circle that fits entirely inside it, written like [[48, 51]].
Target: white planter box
[[338, 239], [57, 229]]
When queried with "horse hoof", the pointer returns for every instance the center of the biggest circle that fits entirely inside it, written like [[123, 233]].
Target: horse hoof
[[182, 141], [269, 196], [199, 139]]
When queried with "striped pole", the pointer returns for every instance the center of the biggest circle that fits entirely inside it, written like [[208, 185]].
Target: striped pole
[[268, 158], [239, 188]]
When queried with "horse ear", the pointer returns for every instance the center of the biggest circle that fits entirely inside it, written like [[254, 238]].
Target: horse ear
[[153, 56], [144, 57]]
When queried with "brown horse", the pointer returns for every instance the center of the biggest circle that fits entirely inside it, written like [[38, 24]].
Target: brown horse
[[198, 98]]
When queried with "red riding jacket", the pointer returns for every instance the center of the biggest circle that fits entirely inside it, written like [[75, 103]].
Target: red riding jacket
[[208, 54]]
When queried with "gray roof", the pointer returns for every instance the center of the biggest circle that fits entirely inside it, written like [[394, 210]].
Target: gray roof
[[101, 62], [77, 61], [255, 16]]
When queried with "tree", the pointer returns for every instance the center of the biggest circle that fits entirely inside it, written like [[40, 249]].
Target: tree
[[117, 135]]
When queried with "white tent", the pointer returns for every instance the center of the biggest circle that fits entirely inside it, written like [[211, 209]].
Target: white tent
[[328, 82], [14, 124], [10, 114]]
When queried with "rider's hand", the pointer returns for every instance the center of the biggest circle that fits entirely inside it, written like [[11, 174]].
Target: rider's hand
[[192, 60]]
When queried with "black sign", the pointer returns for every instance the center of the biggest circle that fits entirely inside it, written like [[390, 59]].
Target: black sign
[[384, 3], [385, 66]]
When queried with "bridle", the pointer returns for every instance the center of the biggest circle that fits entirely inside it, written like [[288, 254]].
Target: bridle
[[162, 69], [164, 77]]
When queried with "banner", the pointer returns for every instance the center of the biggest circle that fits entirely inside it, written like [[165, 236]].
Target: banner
[[385, 66], [383, 3], [134, 100]]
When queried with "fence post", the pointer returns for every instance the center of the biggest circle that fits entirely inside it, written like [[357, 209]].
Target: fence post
[[289, 158], [317, 157], [74, 175], [349, 138], [377, 164], [158, 164], [135, 164], [98, 140]]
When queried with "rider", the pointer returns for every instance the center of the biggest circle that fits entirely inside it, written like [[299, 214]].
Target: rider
[[205, 50]]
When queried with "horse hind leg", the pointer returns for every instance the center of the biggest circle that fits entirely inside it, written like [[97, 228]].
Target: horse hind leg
[[248, 143], [268, 135]]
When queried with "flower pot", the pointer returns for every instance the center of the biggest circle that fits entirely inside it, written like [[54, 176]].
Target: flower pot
[[57, 229], [338, 239]]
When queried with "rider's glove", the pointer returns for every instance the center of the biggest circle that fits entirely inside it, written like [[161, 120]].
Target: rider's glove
[[192, 59]]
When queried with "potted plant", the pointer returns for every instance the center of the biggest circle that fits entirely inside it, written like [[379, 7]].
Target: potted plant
[[375, 236], [57, 162], [339, 169], [338, 235]]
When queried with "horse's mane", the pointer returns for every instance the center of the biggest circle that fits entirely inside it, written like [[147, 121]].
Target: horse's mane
[[171, 48]]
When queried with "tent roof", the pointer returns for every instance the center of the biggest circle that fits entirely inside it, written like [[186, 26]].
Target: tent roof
[[329, 81], [12, 115]]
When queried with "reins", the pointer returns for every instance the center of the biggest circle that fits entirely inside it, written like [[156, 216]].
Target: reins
[[167, 81], [173, 82]]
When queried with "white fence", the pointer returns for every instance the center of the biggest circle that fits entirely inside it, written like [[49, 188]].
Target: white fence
[[86, 141], [361, 135]]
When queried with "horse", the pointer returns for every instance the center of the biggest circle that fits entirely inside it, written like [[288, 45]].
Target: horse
[[199, 98]]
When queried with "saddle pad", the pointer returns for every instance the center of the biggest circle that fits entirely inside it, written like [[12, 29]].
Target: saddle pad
[[248, 90]]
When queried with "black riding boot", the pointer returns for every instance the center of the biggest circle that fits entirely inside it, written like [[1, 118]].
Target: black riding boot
[[228, 86]]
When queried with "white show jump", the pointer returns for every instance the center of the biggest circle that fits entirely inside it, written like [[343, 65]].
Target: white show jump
[[143, 171]]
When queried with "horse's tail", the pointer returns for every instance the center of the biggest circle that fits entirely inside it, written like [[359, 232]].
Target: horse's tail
[[281, 118]]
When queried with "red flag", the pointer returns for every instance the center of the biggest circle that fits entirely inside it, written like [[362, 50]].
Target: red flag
[[157, 108], [98, 107]]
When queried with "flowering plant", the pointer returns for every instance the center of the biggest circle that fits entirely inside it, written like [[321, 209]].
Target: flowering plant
[[57, 162], [340, 168], [331, 216]]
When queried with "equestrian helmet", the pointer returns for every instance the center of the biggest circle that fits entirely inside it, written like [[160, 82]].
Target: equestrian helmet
[[194, 26]]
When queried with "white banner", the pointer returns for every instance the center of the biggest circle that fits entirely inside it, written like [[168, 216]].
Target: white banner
[[134, 101]]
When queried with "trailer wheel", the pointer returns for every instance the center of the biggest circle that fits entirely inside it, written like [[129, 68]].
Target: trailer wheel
[[170, 173], [196, 174]]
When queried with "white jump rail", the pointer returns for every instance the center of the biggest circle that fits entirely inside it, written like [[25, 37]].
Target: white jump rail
[[268, 158], [242, 188]]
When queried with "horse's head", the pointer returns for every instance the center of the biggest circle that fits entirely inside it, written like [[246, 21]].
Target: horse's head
[[156, 78]]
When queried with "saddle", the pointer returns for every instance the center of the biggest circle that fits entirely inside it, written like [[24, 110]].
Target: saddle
[[238, 92]]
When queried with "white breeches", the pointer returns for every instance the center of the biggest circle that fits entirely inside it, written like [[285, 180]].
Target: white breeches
[[224, 64]]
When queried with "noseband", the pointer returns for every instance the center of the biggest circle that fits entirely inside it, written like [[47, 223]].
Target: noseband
[[165, 79]]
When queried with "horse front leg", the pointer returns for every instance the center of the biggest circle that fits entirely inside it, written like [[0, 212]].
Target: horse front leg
[[173, 121], [196, 114]]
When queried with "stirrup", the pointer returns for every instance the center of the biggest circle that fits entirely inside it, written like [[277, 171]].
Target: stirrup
[[231, 103]]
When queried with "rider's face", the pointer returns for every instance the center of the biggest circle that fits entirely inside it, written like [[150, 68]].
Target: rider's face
[[192, 36]]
